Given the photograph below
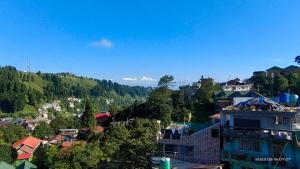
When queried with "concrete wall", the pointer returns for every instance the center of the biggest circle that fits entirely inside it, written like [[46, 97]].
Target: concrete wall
[[206, 148]]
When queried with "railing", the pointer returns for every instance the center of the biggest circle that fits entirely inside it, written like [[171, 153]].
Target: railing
[[279, 135], [180, 156]]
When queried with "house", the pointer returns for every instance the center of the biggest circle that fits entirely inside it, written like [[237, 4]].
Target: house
[[227, 98], [56, 140], [194, 142], [26, 147], [69, 133], [4, 165], [236, 85], [275, 70], [67, 144], [215, 118], [103, 119], [190, 90], [26, 165], [259, 133], [63, 135]]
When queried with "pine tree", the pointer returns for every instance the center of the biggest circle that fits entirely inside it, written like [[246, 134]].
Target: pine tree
[[88, 117]]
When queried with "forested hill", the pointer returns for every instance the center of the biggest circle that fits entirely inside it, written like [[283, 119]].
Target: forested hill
[[19, 88]]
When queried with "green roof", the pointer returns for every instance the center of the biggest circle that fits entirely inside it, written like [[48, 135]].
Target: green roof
[[195, 126], [4, 165], [26, 165]]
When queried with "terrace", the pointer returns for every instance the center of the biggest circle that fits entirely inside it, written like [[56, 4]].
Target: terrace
[[258, 133]]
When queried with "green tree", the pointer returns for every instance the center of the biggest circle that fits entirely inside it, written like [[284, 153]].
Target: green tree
[[43, 130], [63, 122], [297, 59], [7, 154], [166, 81], [13, 133], [79, 156], [205, 93], [280, 84], [164, 114], [136, 152], [88, 118]]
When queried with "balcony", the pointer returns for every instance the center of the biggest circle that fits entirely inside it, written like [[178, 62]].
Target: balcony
[[258, 133]]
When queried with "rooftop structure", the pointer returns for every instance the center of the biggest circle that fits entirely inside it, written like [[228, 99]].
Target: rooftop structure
[[4, 165], [228, 98], [26, 147], [26, 165], [236, 85], [198, 143]]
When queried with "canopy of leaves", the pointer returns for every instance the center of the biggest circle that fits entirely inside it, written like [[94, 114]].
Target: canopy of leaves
[[88, 118], [13, 133], [43, 130]]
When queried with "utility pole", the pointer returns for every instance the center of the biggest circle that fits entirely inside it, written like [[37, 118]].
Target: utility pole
[[272, 82]]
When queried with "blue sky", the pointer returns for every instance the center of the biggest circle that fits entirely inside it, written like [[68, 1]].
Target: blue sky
[[136, 42]]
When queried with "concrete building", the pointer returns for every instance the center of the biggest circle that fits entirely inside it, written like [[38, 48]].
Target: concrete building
[[197, 143], [260, 133], [190, 90], [236, 85]]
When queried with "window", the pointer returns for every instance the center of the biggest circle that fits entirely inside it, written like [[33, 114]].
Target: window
[[250, 145], [215, 133], [246, 123], [281, 120]]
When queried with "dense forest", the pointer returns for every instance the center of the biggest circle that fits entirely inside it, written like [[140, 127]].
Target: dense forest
[[18, 88], [169, 105], [276, 80]]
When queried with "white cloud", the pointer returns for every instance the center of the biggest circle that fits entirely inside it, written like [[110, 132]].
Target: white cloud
[[129, 79], [145, 78], [102, 43], [142, 78]]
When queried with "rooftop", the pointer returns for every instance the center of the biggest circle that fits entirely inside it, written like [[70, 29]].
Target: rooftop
[[106, 114], [26, 165], [260, 104], [24, 156], [4, 165], [28, 141], [215, 116], [194, 126]]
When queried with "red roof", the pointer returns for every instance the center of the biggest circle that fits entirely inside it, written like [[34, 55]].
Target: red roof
[[215, 116], [28, 141], [24, 156], [27, 149], [99, 115], [69, 143]]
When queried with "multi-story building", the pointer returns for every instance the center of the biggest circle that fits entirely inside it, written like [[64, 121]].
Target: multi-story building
[[236, 85], [197, 143], [260, 133]]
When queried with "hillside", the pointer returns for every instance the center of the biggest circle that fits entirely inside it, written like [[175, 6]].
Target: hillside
[[22, 89]]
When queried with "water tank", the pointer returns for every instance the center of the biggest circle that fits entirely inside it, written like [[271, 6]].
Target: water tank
[[165, 163], [284, 98], [293, 98]]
